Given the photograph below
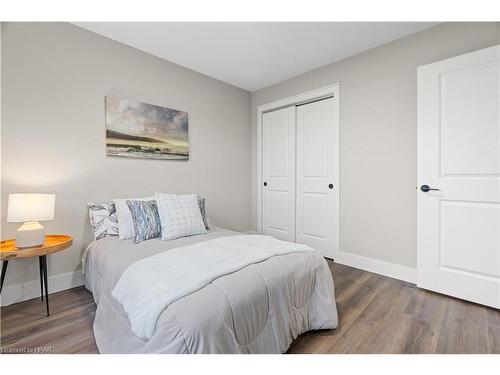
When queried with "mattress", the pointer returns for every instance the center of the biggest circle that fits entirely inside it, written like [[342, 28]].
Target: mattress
[[261, 308]]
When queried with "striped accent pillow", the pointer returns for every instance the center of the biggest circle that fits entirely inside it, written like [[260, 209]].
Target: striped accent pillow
[[146, 220], [203, 211]]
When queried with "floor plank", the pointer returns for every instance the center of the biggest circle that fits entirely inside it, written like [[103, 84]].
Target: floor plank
[[426, 311], [377, 314]]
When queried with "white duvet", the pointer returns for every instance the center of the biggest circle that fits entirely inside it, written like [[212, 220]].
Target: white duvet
[[260, 308], [150, 285]]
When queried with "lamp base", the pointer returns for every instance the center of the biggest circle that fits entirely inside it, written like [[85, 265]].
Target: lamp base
[[30, 234]]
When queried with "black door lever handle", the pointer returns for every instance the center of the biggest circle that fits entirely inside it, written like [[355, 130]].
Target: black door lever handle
[[426, 188]]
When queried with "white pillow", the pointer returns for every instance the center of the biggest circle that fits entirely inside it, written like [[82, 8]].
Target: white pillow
[[180, 215], [125, 221]]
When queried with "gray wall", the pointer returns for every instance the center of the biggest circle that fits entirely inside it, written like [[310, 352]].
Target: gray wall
[[378, 134], [55, 78]]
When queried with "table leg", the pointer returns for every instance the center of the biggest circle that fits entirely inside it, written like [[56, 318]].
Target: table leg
[[41, 277], [44, 264], [4, 271]]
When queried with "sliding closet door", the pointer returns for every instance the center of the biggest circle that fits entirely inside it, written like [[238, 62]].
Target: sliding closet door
[[279, 173], [318, 176]]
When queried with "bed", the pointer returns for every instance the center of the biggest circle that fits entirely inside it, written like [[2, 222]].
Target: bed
[[260, 308]]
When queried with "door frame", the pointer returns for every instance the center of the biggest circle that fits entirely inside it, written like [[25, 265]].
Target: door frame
[[302, 98]]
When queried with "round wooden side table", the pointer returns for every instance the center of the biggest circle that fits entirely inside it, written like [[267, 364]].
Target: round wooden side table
[[53, 243]]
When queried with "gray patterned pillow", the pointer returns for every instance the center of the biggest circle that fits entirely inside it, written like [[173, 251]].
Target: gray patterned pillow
[[103, 219], [201, 204], [146, 220]]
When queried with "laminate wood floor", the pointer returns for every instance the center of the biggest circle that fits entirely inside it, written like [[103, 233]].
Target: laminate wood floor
[[377, 315]]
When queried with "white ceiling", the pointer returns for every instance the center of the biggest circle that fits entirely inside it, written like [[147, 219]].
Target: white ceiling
[[254, 55]]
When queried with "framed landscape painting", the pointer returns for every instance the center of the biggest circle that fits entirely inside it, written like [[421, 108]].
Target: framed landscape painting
[[146, 131]]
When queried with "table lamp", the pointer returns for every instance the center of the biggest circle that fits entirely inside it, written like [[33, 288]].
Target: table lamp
[[29, 209]]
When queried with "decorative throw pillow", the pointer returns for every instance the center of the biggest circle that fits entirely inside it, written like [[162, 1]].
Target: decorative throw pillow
[[180, 215], [146, 220], [103, 219], [201, 204], [126, 229]]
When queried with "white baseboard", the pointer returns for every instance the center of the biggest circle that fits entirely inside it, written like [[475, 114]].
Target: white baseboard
[[31, 289], [393, 270]]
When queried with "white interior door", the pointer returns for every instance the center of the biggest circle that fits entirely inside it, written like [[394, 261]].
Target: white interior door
[[459, 154], [318, 176], [278, 162]]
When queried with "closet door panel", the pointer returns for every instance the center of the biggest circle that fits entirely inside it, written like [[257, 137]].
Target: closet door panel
[[317, 176], [279, 173]]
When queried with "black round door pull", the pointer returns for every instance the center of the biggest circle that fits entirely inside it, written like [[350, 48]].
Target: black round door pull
[[265, 183], [330, 186], [427, 188]]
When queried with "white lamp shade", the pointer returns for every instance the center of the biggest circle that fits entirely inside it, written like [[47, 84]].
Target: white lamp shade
[[30, 207]]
